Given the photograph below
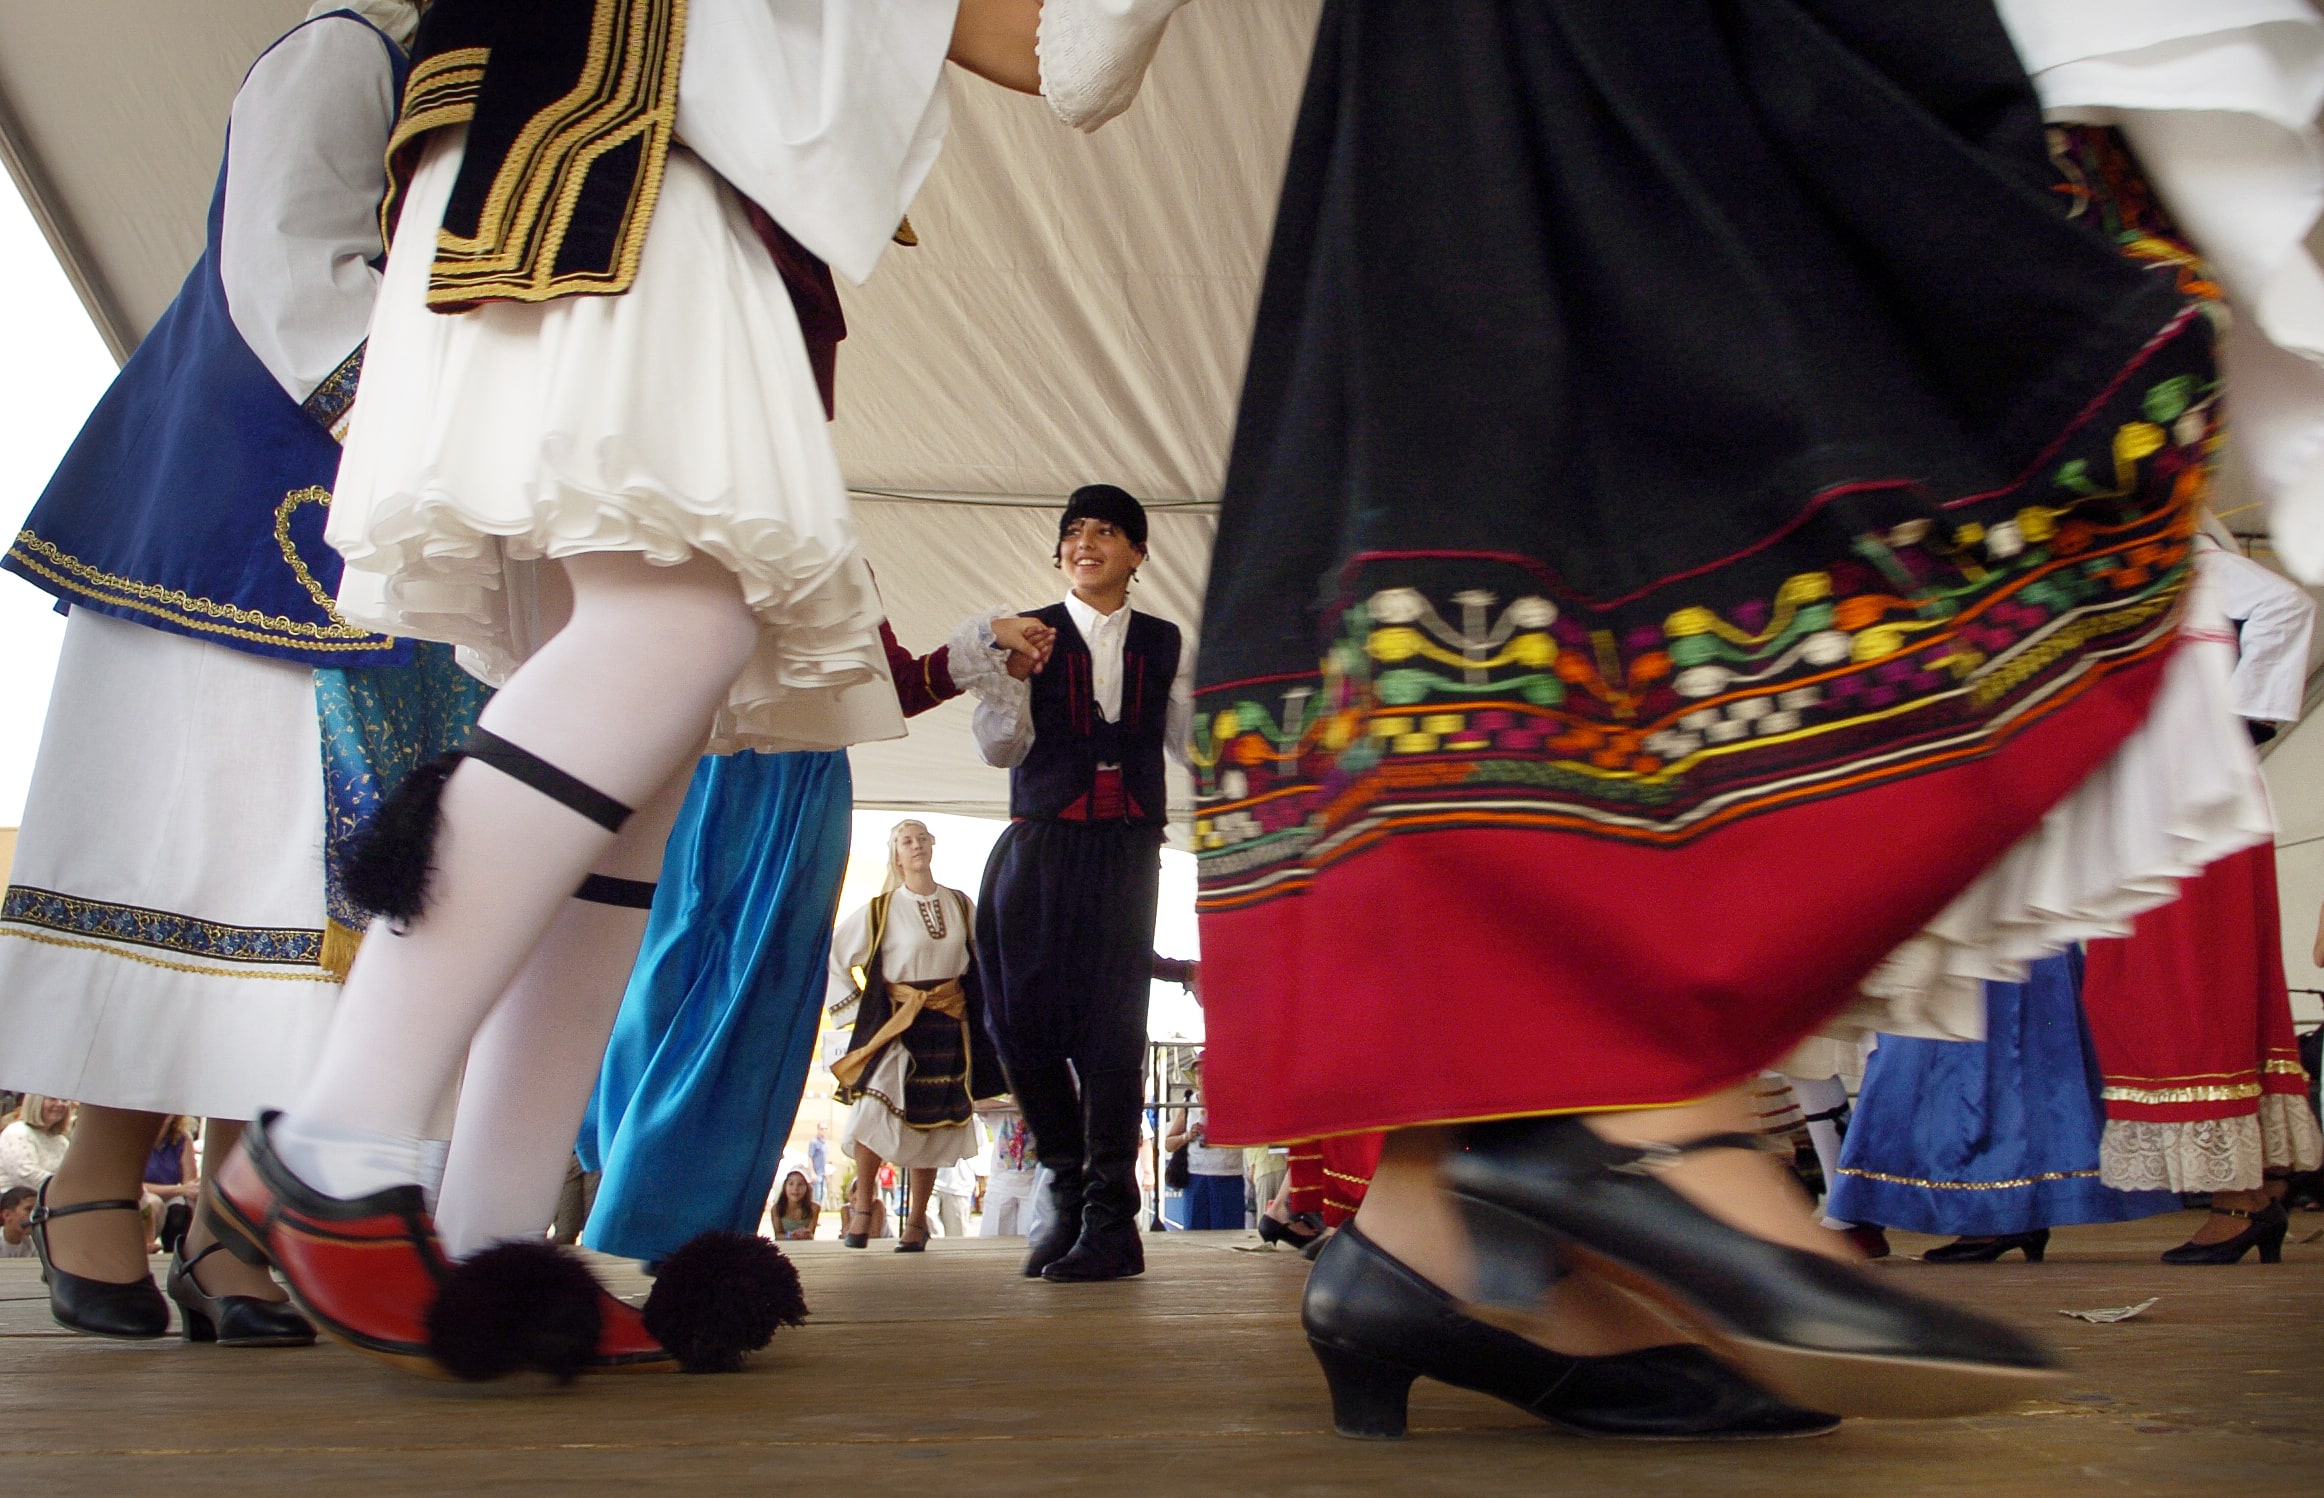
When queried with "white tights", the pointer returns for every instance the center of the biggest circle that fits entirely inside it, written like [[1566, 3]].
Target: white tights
[[1823, 1095], [505, 969]]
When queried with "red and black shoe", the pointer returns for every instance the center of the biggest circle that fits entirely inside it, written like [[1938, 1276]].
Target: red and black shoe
[[623, 1343], [365, 1271]]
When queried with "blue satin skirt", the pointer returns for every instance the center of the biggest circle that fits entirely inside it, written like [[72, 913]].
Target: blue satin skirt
[[717, 1029], [1984, 1138]]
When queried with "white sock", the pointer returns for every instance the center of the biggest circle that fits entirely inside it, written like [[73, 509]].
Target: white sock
[[345, 1162], [1822, 1095], [532, 1065]]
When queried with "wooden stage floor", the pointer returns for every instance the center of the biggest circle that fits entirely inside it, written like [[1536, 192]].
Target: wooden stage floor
[[947, 1374]]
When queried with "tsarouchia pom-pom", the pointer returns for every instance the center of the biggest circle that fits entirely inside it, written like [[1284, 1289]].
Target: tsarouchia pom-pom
[[720, 1297], [515, 1306]]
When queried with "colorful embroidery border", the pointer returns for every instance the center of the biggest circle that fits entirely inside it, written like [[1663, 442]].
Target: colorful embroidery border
[[161, 930]]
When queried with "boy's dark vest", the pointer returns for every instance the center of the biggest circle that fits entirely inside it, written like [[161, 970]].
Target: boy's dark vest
[[1071, 739]]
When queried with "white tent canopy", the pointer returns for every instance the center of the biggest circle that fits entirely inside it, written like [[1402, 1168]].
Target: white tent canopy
[[1078, 307]]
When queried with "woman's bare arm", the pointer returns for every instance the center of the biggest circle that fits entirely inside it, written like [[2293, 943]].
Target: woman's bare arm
[[994, 40]]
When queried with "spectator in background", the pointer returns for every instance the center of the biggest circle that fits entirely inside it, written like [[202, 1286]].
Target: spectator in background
[[33, 1146], [794, 1211], [15, 1211], [955, 1189], [172, 1181], [1214, 1191], [1011, 1176], [819, 1156]]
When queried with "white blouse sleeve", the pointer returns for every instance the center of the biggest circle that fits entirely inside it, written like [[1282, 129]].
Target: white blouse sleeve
[[2276, 619], [828, 114], [973, 659], [1094, 54], [1003, 723], [305, 170], [847, 949]]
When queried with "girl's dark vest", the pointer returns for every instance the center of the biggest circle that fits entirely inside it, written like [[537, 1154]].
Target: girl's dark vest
[[1071, 739]]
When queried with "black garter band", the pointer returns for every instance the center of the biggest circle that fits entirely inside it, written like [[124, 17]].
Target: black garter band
[[604, 889]]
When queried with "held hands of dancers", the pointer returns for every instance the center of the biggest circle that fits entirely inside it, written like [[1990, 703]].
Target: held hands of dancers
[[1028, 642]]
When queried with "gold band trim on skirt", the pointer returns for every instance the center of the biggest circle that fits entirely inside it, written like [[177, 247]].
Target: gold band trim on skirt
[[2043, 1179]]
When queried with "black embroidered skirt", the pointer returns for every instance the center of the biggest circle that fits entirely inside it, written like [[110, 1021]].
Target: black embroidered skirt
[[1702, 494]]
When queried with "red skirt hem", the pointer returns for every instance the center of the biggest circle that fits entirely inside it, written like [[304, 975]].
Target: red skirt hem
[[1479, 972]]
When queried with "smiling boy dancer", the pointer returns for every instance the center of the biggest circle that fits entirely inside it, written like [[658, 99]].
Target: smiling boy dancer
[[1065, 922]]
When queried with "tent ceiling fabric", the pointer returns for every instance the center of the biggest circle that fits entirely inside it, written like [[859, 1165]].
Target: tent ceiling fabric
[[111, 116], [1078, 308]]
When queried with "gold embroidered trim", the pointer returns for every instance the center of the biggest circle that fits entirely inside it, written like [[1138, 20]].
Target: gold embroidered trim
[[317, 976], [208, 615], [2047, 1176], [2232, 1092], [628, 90]]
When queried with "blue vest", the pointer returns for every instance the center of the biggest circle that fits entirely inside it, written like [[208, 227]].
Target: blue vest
[[194, 498], [1071, 738]]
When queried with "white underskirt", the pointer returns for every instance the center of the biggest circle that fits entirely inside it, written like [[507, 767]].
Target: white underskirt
[[876, 1122], [182, 778], [2183, 791], [679, 417]]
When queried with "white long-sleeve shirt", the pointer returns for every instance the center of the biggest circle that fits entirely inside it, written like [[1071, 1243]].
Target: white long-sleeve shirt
[[2274, 618], [305, 170], [1004, 709]]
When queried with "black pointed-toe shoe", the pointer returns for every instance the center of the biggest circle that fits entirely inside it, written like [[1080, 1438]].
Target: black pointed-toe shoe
[[1816, 1331], [2266, 1233], [133, 1311], [231, 1320], [1985, 1250], [1376, 1326]]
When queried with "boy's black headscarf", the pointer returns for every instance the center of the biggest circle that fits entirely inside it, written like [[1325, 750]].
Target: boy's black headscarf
[[1107, 503]]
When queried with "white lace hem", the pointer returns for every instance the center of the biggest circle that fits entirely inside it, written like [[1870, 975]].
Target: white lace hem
[[1094, 55], [2211, 1154]]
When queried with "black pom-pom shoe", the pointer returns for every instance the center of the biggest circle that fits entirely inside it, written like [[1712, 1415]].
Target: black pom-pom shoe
[[1818, 1332], [1376, 1326]]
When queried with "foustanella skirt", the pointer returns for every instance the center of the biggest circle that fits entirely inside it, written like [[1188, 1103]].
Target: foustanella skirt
[[680, 417], [1704, 496]]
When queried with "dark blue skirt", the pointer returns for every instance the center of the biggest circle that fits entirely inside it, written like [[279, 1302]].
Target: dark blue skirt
[[1984, 1138], [708, 1059]]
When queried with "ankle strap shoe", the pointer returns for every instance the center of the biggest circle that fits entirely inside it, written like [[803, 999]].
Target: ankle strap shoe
[[1821, 1333]]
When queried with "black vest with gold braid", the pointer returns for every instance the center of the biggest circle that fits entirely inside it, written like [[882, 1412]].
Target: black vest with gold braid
[[570, 107]]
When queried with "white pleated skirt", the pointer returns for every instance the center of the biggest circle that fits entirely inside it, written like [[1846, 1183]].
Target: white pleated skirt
[[679, 417], [161, 936]]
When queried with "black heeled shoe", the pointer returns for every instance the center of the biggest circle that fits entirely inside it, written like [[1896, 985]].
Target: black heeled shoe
[[1302, 1229], [2266, 1233], [231, 1320], [1376, 1326], [101, 1308], [917, 1245], [857, 1240], [1820, 1333], [1985, 1250]]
